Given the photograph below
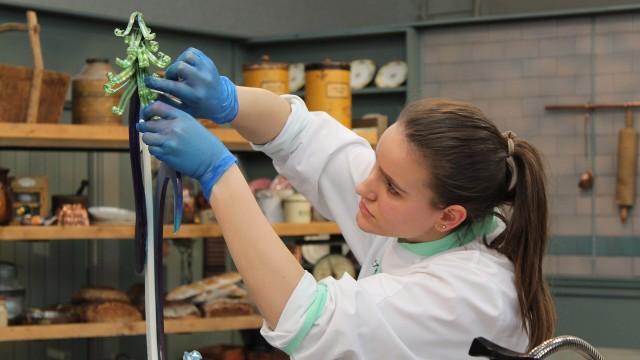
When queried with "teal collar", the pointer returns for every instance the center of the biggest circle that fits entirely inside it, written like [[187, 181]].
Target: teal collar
[[454, 239]]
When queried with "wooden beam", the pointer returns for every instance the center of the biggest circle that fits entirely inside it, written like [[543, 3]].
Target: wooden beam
[[314, 228], [126, 232], [93, 330], [63, 136], [106, 137]]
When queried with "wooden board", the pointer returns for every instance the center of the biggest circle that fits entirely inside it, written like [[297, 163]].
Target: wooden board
[[125, 232], [105, 137], [92, 330]]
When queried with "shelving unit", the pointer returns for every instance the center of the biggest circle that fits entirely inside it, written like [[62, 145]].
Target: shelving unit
[[106, 329], [126, 232]]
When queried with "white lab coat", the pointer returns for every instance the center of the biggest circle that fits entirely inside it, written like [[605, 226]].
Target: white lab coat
[[417, 307]]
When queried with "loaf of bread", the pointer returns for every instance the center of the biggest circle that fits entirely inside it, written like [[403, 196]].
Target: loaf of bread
[[228, 291], [98, 294], [227, 307], [110, 312], [207, 284], [180, 310]]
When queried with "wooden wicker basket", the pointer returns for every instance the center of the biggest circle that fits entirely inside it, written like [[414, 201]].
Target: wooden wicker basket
[[14, 94], [31, 95]]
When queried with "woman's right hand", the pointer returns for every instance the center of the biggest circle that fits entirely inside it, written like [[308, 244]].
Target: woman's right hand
[[194, 79]]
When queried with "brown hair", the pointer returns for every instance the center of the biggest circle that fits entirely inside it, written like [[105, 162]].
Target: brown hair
[[467, 158]]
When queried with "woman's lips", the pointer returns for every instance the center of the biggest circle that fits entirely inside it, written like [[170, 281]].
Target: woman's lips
[[365, 210]]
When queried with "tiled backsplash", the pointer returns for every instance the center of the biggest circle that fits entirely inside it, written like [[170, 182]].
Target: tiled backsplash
[[511, 70]]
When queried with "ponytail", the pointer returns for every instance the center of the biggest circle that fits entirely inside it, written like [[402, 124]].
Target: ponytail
[[524, 242]]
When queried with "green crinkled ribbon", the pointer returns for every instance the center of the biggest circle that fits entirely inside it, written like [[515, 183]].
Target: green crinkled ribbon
[[142, 52]]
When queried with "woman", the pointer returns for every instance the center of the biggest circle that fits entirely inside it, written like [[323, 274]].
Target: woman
[[440, 264]]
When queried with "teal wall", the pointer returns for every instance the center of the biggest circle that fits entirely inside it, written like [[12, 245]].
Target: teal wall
[[602, 311], [510, 7]]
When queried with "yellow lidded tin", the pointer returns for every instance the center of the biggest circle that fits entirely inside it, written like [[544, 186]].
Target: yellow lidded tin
[[328, 88], [268, 75]]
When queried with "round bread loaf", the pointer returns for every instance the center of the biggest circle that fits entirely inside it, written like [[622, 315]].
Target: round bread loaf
[[110, 312], [98, 294], [180, 310], [227, 307], [207, 284]]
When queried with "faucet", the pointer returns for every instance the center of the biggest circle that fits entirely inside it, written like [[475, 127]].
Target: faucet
[[481, 347]]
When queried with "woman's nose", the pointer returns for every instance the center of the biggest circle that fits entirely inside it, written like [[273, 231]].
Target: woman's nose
[[364, 189]]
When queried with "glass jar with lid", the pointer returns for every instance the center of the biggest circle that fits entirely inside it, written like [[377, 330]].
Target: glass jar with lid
[[11, 290]]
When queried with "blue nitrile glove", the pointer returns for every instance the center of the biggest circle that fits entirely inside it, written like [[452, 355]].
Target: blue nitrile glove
[[193, 78], [183, 143]]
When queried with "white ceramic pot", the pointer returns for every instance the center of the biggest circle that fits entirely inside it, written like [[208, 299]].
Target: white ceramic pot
[[297, 209]]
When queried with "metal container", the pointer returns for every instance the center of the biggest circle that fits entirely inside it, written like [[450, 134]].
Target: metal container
[[90, 104], [268, 75], [58, 201], [11, 290], [328, 88], [6, 197]]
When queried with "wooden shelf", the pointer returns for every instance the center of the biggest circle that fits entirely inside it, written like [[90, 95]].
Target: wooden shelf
[[105, 137], [125, 232], [93, 330]]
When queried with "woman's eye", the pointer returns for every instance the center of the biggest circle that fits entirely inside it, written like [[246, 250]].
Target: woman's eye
[[392, 190]]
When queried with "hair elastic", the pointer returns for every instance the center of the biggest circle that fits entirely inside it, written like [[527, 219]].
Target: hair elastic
[[510, 136]]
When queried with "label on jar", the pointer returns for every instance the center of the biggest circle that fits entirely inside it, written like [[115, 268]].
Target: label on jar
[[4, 315], [26, 182], [337, 90], [273, 86]]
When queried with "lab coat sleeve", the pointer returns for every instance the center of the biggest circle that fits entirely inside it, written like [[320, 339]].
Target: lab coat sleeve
[[324, 161], [431, 315]]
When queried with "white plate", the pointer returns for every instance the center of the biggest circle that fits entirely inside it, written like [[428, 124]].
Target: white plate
[[296, 76], [313, 253], [362, 71], [107, 214], [392, 74]]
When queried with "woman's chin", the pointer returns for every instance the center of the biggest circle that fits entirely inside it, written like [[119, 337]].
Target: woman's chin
[[365, 225]]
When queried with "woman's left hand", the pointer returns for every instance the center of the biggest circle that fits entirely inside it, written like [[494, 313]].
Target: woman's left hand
[[181, 142]]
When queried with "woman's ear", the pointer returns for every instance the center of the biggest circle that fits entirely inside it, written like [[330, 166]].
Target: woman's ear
[[451, 217]]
